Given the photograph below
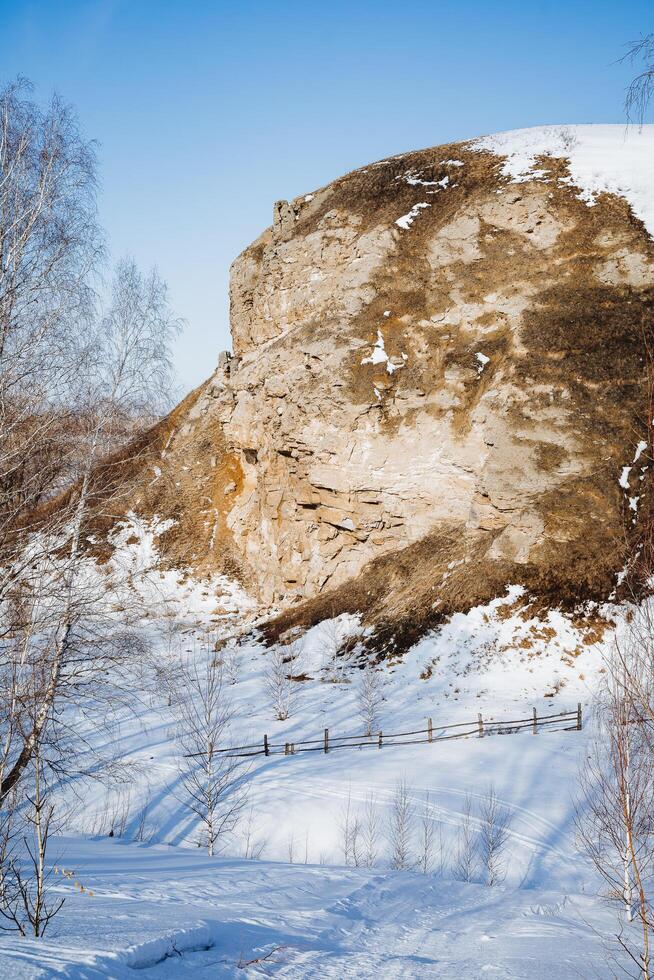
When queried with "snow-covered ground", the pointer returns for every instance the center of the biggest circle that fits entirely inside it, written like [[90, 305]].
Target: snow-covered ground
[[299, 903], [166, 912]]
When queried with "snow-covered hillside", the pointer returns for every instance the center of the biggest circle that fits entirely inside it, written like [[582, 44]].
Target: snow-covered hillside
[[170, 911], [613, 159]]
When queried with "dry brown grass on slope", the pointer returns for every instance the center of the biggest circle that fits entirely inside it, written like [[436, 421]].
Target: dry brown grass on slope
[[404, 594], [165, 472]]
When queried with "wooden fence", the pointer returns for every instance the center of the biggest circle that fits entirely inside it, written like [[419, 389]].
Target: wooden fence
[[432, 733]]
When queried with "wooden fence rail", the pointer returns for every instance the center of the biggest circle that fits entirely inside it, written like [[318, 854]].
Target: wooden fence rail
[[432, 733]]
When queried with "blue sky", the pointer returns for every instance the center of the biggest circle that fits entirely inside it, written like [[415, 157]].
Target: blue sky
[[208, 112]]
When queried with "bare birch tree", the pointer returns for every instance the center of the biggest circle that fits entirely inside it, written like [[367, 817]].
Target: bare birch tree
[[371, 831], [27, 903], [427, 836], [253, 844], [350, 832], [345, 828], [370, 696], [49, 245], [467, 859], [641, 88], [212, 779], [493, 836], [69, 383], [9, 836], [615, 818], [63, 658], [55, 608], [400, 827], [281, 689]]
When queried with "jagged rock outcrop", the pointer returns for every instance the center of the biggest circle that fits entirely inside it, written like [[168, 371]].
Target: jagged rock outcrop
[[434, 361]]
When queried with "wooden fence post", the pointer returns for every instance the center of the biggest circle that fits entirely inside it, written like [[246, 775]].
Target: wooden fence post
[[290, 747]]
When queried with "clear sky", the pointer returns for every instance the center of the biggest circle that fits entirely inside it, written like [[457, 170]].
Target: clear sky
[[208, 112]]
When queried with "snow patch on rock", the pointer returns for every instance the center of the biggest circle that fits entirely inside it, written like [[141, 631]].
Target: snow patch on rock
[[483, 361], [407, 220]]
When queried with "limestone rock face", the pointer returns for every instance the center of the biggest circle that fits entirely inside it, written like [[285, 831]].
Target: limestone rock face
[[428, 355]]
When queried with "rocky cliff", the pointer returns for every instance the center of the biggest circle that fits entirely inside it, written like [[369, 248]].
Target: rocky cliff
[[439, 386]]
